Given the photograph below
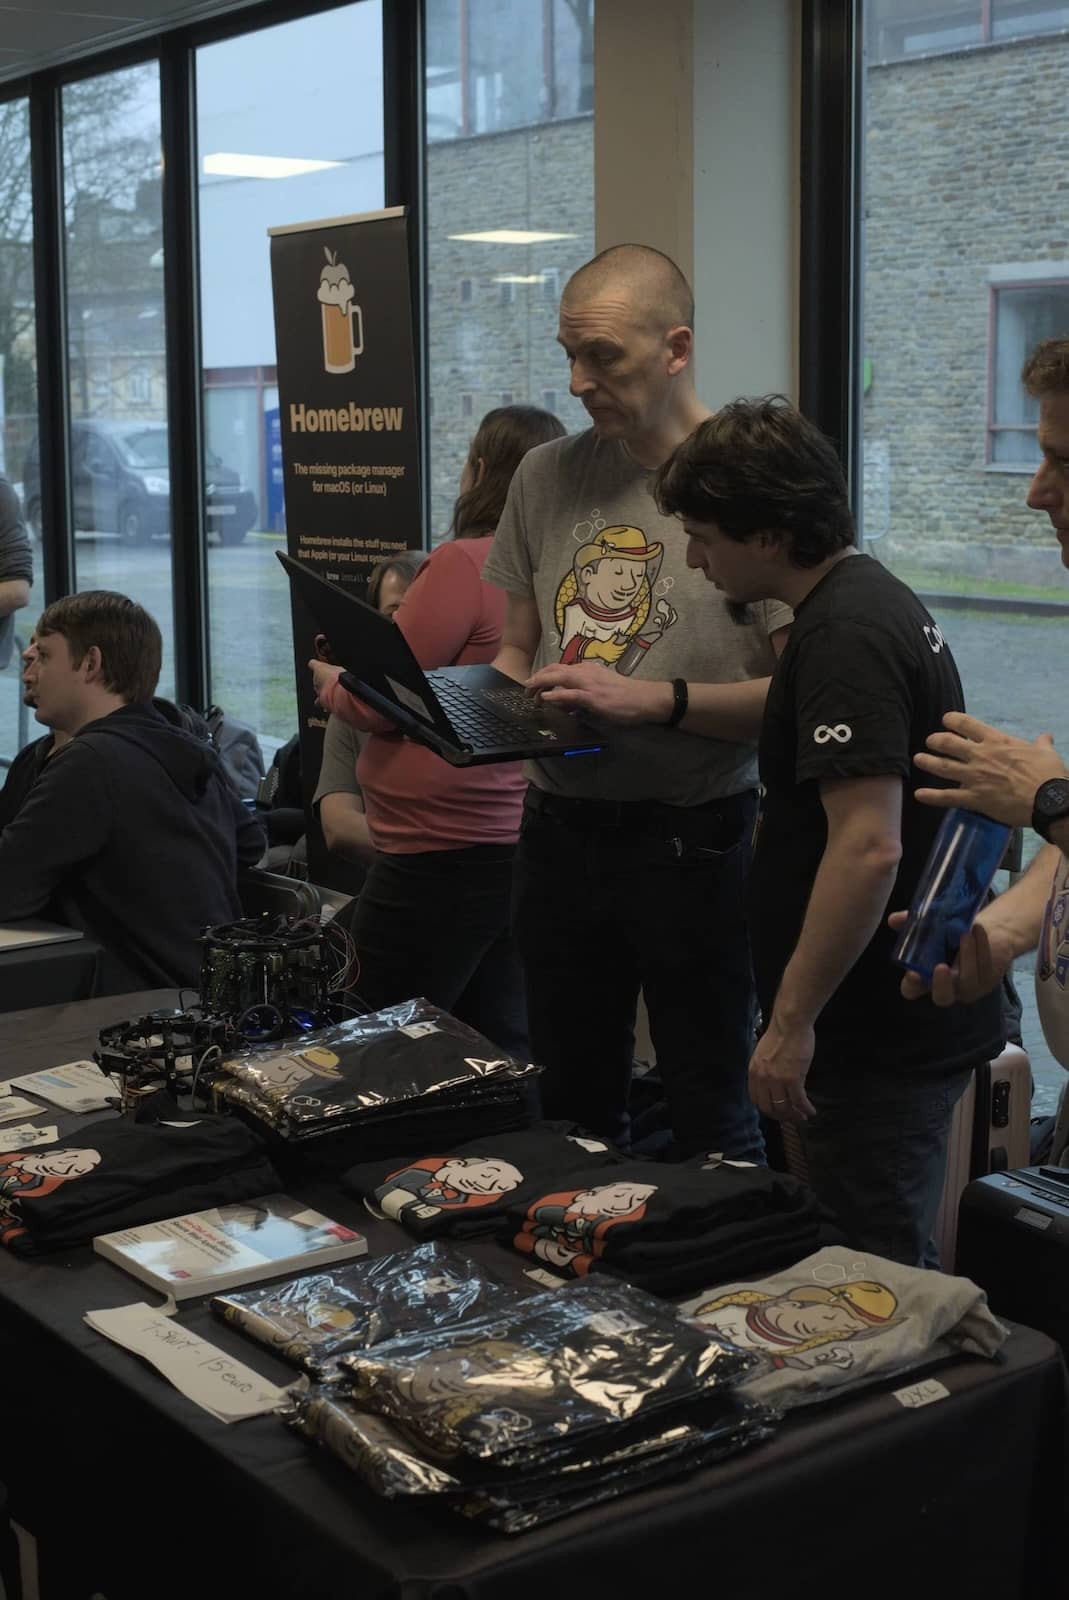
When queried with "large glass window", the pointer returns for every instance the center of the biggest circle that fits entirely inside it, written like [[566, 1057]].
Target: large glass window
[[18, 373], [509, 216], [116, 350], [303, 139], [900, 29], [965, 269]]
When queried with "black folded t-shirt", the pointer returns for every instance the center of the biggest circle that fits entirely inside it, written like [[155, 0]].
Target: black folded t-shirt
[[120, 1173]]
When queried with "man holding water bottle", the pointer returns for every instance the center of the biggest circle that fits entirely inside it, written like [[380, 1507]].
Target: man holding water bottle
[[1016, 782], [865, 677]]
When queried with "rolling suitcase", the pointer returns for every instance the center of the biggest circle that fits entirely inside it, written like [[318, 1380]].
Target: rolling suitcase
[[989, 1133], [1013, 1240]]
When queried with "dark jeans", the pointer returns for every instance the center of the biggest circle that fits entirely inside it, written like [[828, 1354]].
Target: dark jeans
[[877, 1151], [436, 923], [608, 899]]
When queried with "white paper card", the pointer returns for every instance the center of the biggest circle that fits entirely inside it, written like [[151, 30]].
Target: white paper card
[[228, 1389], [549, 1279], [5, 1088], [76, 1086], [921, 1394], [14, 1106], [25, 1136]]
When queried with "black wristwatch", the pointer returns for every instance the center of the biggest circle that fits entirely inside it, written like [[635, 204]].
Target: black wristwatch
[[680, 702], [1050, 805]]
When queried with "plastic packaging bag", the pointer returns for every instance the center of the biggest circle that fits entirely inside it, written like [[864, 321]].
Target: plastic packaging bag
[[520, 1391], [312, 1320]]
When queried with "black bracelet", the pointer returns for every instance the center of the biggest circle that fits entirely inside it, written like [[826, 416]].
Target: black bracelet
[[681, 701]]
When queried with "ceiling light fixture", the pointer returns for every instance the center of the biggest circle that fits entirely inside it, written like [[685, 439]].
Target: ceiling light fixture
[[228, 164], [511, 236]]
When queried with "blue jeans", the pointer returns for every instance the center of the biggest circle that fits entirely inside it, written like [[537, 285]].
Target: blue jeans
[[436, 923], [877, 1150], [608, 899]]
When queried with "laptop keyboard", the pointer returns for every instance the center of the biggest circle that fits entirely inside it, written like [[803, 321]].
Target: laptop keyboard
[[475, 722]]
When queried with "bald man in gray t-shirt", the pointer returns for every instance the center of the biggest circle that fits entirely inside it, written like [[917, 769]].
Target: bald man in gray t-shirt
[[632, 863]]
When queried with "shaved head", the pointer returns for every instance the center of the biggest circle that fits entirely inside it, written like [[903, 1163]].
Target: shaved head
[[650, 282]]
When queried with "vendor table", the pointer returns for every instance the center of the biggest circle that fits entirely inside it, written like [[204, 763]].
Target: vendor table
[[48, 974], [134, 1492]]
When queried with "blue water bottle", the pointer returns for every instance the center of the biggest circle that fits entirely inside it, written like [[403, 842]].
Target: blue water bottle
[[964, 857]]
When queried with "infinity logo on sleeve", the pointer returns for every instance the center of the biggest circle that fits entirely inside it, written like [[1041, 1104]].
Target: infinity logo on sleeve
[[841, 733]]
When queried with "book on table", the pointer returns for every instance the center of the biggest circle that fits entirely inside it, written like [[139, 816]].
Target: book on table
[[225, 1246]]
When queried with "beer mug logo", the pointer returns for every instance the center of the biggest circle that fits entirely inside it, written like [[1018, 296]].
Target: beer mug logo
[[341, 344]]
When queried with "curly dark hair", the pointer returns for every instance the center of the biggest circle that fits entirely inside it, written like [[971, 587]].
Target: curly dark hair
[[758, 466], [1046, 370]]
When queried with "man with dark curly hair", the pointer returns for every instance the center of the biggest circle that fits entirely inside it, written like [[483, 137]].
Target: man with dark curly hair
[[866, 675]]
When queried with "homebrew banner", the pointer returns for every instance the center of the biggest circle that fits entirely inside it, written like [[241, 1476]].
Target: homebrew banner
[[347, 414]]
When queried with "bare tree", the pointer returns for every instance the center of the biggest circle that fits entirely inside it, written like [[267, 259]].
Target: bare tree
[[108, 159]]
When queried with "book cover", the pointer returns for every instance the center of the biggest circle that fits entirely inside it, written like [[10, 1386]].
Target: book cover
[[223, 1247]]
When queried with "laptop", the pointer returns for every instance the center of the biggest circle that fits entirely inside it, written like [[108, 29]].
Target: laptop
[[466, 715], [21, 935]]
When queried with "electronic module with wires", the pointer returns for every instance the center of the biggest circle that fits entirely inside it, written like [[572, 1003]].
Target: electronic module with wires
[[262, 979]]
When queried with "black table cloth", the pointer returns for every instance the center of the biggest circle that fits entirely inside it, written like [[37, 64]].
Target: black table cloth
[[134, 1491], [49, 974]]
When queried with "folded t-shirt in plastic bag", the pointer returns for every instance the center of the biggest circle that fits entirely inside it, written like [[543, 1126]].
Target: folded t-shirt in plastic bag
[[120, 1173], [840, 1320], [372, 1066], [313, 1320], [471, 1188], [520, 1391], [393, 1467]]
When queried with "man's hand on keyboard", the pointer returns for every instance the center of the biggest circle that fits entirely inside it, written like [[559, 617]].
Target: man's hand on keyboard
[[598, 692]]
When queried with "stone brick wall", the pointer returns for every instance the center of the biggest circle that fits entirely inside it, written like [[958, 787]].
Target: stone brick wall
[[536, 179], [966, 167]]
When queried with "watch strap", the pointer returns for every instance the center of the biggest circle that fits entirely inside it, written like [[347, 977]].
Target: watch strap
[[680, 702], [1051, 805]]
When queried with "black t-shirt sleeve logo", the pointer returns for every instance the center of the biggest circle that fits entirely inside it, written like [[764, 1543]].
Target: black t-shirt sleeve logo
[[841, 732]]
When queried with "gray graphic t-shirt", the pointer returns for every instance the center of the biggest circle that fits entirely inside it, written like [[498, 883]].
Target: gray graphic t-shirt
[[581, 535], [841, 1320]]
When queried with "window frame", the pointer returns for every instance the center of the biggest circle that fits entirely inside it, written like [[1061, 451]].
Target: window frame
[[1014, 468], [174, 50], [988, 40]]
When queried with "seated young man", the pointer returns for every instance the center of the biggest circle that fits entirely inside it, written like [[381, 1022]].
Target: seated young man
[[131, 830]]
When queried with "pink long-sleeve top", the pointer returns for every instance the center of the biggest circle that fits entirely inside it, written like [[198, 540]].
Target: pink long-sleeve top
[[414, 800]]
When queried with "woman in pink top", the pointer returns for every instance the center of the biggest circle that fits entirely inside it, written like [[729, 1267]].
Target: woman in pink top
[[433, 916]]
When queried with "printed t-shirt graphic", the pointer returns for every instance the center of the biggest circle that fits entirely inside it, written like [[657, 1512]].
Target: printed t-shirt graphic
[[605, 608], [568, 1230], [446, 1183], [37, 1174], [1052, 965]]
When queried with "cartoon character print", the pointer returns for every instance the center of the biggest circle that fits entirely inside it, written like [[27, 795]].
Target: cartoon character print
[[1053, 960], [801, 1328], [604, 607], [447, 1183], [27, 1174], [568, 1230], [466, 1384]]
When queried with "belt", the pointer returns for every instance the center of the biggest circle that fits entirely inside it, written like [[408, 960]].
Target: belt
[[578, 812]]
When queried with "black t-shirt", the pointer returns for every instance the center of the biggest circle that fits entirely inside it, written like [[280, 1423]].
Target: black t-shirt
[[865, 678]]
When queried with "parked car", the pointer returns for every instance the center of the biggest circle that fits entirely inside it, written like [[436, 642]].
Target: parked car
[[121, 486]]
